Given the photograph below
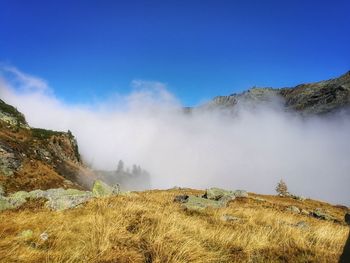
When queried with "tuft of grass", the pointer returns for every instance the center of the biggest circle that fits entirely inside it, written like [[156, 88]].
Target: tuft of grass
[[149, 227]]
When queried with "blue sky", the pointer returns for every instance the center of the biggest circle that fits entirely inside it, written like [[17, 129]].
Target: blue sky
[[200, 49]]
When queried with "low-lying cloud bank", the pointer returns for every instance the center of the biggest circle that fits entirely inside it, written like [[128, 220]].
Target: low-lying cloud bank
[[252, 151]]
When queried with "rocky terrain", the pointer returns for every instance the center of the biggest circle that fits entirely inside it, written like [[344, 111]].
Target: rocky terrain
[[312, 98], [52, 208], [33, 158]]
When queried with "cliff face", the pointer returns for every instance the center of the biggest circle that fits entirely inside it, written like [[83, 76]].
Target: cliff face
[[33, 158], [312, 98]]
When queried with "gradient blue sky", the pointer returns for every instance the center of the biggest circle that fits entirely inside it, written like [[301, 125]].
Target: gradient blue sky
[[200, 49]]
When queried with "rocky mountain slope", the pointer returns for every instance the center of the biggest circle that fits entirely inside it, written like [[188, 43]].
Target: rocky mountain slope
[[311, 98], [33, 158]]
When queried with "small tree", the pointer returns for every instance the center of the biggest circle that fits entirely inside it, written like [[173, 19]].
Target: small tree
[[282, 188]]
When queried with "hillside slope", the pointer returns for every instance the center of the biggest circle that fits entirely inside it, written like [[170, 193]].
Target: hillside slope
[[33, 158], [311, 98], [150, 227]]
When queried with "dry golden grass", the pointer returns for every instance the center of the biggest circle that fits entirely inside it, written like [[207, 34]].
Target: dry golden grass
[[150, 227]]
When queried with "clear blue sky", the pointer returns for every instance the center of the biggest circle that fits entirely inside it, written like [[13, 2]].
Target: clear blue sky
[[201, 49]]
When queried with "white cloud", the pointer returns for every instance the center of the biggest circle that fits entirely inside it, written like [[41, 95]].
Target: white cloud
[[252, 151]]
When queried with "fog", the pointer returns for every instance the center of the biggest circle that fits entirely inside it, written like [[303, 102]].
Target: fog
[[252, 150]]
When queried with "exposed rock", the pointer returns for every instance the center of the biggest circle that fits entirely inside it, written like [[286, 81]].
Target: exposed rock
[[304, 212], [293, 209], [347, 218], [318, 213], [102, 189], [219, 194], [312, 98], [259, 199], [44, 236], [195, 203], [57, 199], [302, 225], [298, 197], [241, 193], [181, 198], [229, 218]]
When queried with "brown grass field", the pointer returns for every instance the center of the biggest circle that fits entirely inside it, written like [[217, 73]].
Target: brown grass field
[[149, 227]]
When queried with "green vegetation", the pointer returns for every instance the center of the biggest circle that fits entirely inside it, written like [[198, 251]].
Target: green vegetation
[[12, 111], [44, 134]]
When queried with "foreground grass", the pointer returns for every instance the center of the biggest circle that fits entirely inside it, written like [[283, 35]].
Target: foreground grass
[[150, 227]]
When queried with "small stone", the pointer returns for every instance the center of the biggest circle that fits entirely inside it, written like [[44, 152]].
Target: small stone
[[181, 198], [44, 236], [229, 218], [302, 225], [293, 209], [304, 212]]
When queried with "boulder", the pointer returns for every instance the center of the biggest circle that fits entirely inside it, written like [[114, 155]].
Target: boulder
[[181, 198], [320, 214], [229, 218], [219, 194], [293, 209], [102, 189], [302, 225], [68, 199], [57, 199], [195, 203], [241, 193]]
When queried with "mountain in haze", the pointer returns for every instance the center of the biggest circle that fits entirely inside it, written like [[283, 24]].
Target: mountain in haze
[[312, 98]]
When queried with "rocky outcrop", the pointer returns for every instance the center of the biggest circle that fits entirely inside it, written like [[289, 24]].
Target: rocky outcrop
[[311, 98], [100, 189], [59, 198], [32, 158], [213, 198]]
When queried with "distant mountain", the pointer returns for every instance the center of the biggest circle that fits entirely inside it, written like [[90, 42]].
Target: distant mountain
[[311, 98], [32, 158]]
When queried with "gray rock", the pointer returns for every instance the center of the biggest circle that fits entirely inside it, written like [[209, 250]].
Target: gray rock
[[229, 218], [241, 193], [57, 199], [181, 198], [195, 203], [44, 236], [304, 212], [293, 209], [302, 225], [102, 189], [219, 194], [320, 214]]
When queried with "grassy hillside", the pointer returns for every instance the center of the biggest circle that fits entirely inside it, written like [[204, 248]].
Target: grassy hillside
[[150, 227]]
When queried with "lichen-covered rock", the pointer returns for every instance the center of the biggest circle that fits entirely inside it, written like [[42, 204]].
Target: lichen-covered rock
[[320, 214], [218, 194], [293, 209], [181, 198], [195, 203], [240, 193], [57, 199], [229, 218], [100, 189]]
